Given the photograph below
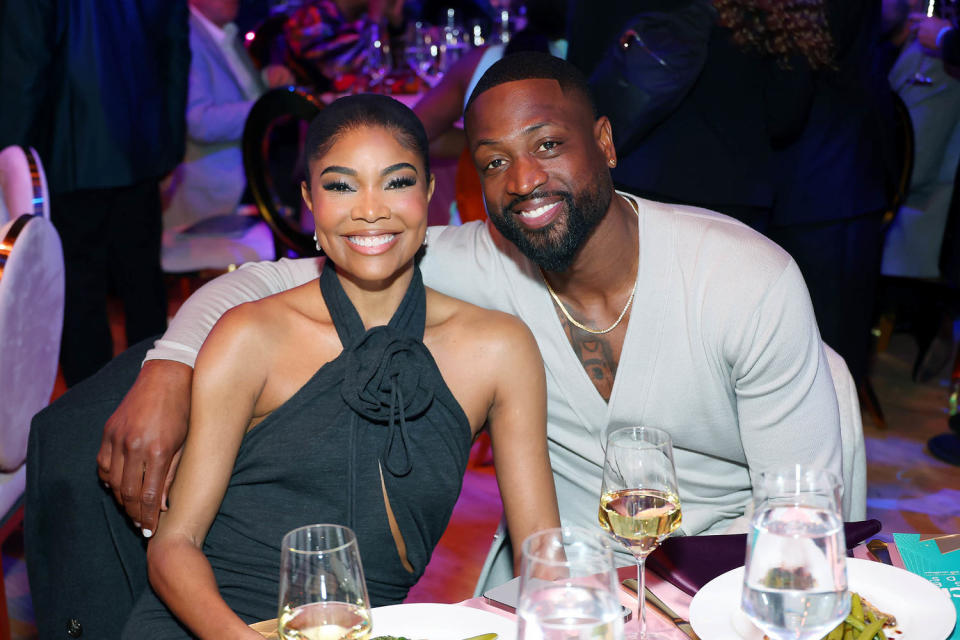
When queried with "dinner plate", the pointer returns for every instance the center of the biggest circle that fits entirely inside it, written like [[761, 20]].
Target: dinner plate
[[922, 610], [439, 622]]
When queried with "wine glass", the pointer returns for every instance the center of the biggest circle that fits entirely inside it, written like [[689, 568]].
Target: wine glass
[[568, 587], [322, 590], [795, 578], [376, 65], [639, 500], [424, 54]]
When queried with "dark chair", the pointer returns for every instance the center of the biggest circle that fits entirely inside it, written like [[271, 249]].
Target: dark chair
[[272, 145]]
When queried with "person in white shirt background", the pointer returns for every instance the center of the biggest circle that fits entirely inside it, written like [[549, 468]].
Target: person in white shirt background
[[224, 84]]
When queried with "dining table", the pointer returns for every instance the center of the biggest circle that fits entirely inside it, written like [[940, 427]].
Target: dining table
[[657, 622]]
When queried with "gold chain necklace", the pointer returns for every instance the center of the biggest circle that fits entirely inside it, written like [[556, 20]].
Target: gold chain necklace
[[582, 327]]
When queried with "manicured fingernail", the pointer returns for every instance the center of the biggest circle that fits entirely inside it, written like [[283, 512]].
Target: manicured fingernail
[[147, 533]]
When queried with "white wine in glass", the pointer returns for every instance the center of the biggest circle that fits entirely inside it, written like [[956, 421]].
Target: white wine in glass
[[639, 499], [323, 595]]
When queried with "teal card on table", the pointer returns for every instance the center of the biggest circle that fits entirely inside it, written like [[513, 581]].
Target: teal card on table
[[936, 558]]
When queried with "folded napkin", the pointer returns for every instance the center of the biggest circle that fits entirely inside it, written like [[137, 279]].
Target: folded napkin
[[689, 562]]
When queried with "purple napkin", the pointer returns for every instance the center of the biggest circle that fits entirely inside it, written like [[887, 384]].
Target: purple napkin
[[689, 562]]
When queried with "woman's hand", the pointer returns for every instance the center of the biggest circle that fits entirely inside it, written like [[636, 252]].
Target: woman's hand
[[174, 557]]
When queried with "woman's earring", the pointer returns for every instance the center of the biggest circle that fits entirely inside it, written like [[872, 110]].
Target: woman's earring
[[317, 242], [424, 239]]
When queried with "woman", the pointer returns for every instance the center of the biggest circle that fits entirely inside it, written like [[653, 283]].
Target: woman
[[352, 399]]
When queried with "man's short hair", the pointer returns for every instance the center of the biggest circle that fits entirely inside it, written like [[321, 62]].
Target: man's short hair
[[533, 65]]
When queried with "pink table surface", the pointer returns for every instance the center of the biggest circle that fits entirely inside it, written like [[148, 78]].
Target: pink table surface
[[673, 597]]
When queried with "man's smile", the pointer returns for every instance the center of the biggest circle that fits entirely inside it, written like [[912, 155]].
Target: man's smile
[[536, 213]]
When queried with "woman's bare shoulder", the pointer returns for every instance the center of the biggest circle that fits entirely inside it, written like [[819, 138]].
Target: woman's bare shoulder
[[270, 320]]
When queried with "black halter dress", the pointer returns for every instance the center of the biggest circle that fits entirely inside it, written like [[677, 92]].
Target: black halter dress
[[380, 405]]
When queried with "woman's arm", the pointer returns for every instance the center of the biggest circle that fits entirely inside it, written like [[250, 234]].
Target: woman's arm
[[229, 375], [442, 106], [518, 431]]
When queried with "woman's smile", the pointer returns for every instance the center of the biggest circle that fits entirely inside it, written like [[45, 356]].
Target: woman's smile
[[372, 243]]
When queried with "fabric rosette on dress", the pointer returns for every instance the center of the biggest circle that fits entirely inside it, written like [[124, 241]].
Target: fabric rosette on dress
[[383, 383]]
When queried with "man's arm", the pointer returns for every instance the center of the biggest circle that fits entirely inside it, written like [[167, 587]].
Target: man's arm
[[252, 281], [786, 403], [142, 440]]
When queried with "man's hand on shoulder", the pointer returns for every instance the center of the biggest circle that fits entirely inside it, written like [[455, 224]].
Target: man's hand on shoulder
[[143, 439]]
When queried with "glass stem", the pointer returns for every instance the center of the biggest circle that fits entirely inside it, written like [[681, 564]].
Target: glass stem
[[641, 597]]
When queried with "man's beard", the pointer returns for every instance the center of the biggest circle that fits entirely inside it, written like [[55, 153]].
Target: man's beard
[[554, 247]]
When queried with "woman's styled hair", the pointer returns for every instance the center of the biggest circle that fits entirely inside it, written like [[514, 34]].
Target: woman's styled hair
[[365, 110], [783, 29]]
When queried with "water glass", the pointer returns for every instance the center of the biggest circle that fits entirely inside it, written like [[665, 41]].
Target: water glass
[[568, 587], [795, 578], [322, 590]]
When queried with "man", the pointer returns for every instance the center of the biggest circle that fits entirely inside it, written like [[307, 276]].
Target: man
[[645, 313], [99, 89], [223, 87], [914, 238]]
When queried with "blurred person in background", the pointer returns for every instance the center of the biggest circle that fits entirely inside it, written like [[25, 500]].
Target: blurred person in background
[[329, 38], [99, 88], [224, 84], [786, 127], [837, 179], [931, 92]]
